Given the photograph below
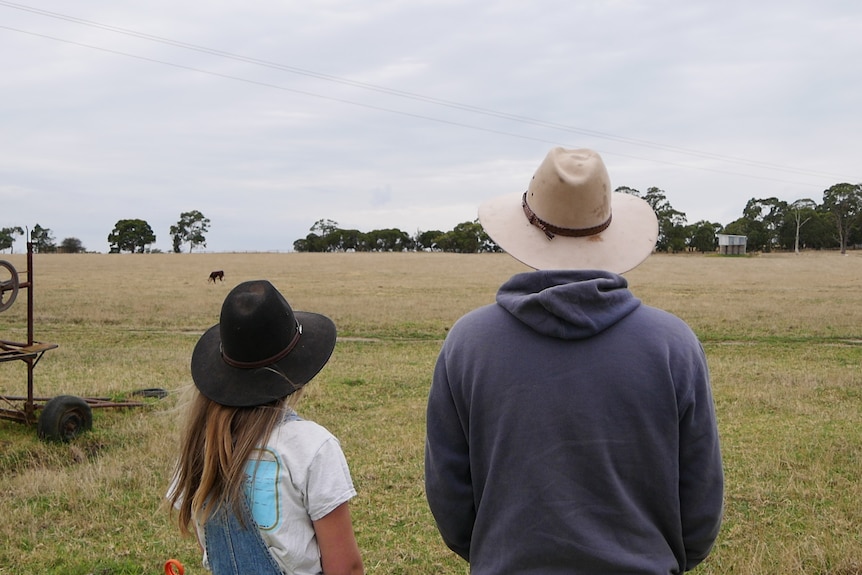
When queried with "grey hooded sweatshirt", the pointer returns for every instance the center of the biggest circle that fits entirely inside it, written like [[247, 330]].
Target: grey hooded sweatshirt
[[571, 429]]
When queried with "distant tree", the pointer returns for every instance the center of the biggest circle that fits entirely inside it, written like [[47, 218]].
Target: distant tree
[[702, 236], [339, 240], [467, 238], [676, 237], [324, 227], [769, 213], [755, 232], [71, 246], [799, 213], [855, 236], [735, 228], [311, 243], [819, 233], [671, 222], [844, 202], [388, 240], [628, 190], [326, 236], [427, 240], [7, 237], [131, 236], [451, 241], [302, 245], [763, 223], [43, 241], [486, 244], [190, 230]]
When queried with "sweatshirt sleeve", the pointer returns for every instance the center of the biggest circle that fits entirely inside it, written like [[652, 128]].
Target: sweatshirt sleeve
[[701, 476], [448, 484]]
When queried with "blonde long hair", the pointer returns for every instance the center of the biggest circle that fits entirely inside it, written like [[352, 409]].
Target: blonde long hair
[[216, 444]]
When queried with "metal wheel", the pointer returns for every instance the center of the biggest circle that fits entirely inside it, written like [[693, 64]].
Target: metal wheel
[[64, 417], [8, 287]]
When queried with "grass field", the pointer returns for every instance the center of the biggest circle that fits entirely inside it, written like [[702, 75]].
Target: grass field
[[783, 335]]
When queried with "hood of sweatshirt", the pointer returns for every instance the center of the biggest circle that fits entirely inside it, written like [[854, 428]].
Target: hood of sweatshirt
[[567, 304]]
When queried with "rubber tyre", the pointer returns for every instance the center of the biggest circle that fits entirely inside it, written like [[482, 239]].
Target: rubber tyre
[[64, 417], [156, 392]]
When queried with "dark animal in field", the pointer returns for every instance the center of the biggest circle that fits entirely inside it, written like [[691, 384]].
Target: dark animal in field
[[217, 275]]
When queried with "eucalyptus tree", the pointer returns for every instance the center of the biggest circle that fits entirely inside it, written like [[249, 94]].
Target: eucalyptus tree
[[844, 202], [702, 236], [131, 236], [339, 240], [770, 214], [467, 238], [190, 229], [71, 246], [7, 237], [323, 227], [388, 240], [757, 238], [42, 240], [672, 234], [311, 243], [427, 240], [800, 213], [628, 190]]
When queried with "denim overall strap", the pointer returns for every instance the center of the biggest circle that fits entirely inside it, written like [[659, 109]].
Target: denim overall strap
[[236, 550]]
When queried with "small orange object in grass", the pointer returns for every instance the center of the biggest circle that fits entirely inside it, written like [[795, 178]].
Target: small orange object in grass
[[174, 567]]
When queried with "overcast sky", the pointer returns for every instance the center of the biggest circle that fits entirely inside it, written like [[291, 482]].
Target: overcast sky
[[267, 116]]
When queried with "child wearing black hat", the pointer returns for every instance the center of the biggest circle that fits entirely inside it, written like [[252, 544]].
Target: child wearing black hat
[[266, 491]]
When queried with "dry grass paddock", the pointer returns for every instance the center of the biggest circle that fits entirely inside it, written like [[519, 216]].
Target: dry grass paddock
[[783, 335]]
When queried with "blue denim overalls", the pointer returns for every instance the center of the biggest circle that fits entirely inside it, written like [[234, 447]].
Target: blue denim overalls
[[233, 549], [236, 550]]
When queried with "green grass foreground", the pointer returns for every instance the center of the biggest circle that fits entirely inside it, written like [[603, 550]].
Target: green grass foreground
[[783, 334]]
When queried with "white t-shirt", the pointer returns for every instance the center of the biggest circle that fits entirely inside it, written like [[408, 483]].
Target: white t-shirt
[[299, 476]]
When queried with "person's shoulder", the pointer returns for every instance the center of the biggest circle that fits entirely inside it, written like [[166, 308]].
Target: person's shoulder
[[479, 315], [658, 312], [300, 439], [660, 319], [304, 428]]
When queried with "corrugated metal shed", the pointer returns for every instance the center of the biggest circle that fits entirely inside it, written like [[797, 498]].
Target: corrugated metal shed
[[731, 245]]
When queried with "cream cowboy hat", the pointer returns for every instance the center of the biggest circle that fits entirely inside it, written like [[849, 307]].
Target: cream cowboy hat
[[570, 219]]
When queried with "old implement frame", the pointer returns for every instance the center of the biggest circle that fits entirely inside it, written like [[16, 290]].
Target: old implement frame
[[59, 418]]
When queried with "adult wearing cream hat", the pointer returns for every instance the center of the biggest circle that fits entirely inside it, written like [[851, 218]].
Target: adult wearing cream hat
[[570, 219], [570, 427]]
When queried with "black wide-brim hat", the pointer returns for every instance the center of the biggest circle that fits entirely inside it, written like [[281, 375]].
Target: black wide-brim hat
[[261, 350]]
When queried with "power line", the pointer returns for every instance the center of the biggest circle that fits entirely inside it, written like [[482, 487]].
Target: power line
[[380, 108], [403, 94]]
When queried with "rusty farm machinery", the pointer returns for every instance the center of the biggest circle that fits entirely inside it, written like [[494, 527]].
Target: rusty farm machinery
[[58, 418]]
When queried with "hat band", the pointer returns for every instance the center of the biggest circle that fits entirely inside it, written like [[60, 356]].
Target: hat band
[[264, 362], [551, 230]]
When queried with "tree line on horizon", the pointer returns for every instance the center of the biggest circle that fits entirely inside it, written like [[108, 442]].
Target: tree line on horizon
[[769, 224], [128, 235], [326, 236]]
